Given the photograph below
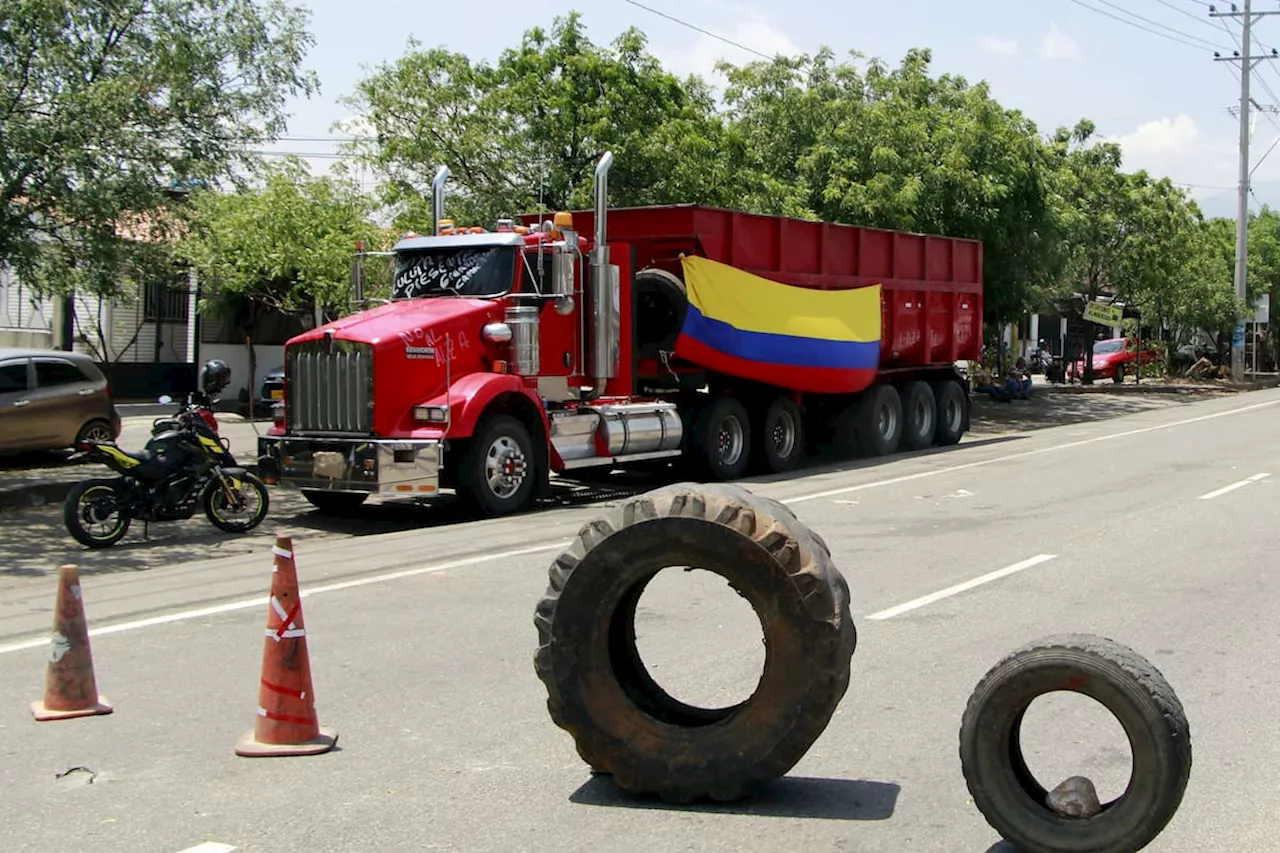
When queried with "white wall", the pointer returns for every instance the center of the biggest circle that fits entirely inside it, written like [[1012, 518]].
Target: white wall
[[237, 358]]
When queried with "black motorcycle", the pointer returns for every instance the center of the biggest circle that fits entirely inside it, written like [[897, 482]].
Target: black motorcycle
[[186, 466]]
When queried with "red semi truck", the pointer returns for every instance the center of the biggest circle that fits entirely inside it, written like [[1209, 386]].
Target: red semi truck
[[736, 341]]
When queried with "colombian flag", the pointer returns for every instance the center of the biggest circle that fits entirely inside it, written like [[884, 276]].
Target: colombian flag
[[823, 341]]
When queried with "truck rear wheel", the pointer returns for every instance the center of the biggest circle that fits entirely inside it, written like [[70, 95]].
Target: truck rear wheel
[[951, 405], [921, 411], [780, 438], [722, 439], [498, 471], [880, 420]]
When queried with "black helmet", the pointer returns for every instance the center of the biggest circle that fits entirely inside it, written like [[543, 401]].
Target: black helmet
[[214, 376]]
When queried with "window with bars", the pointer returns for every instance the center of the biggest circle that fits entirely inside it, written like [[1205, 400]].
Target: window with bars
[[165, 301]]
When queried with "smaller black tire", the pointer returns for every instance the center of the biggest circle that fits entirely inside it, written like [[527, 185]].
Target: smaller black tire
[[920, 411], [218, 508], [498, 472], [1125, 683], [96, 430], [779, 437], [951, 405], [880, 420], [1118, 376], [721, 439], [84, 505], [334, 503]]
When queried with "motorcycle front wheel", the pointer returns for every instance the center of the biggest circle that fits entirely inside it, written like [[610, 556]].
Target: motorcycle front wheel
[[252, 494], [92, 514]]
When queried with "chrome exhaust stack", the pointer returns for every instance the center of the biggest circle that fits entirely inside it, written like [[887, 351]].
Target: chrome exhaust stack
[[602, 362], [437, 197]]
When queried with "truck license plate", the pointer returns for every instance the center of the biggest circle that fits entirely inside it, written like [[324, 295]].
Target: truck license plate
[[327, 463]]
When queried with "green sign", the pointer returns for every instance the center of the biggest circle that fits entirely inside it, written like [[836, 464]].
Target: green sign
[[1103, 315]]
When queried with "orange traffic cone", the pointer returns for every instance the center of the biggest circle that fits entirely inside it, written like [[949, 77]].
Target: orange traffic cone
[[287, 723], [70, 690]]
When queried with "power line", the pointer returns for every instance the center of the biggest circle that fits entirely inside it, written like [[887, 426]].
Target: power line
[[1181, 11], [1141, 27], [1155, 23], [699, 29]]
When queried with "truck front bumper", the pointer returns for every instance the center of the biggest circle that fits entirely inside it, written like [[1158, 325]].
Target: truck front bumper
[[373, 466]]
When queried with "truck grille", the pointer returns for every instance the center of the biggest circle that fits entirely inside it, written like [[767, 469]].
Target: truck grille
[[330, 390]]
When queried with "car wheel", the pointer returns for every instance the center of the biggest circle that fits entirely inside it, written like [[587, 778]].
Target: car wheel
[[96, 431]]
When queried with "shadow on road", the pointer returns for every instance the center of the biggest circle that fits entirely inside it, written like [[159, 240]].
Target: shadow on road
[[1049, 409], [790, 796], [45, 544]]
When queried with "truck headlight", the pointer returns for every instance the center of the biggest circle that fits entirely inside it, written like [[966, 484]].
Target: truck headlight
[[431, 414]]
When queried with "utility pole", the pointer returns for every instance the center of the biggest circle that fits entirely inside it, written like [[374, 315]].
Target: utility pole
[[1247, 62]]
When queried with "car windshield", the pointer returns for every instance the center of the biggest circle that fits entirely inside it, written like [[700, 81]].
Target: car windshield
[[1103, 347], [483, 271]]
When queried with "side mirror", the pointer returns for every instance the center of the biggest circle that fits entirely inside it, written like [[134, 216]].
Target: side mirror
[[165, 400]]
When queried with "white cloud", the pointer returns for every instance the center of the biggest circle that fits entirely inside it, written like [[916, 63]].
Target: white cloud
[[995, 44], [1176, 147], [1059, 45]]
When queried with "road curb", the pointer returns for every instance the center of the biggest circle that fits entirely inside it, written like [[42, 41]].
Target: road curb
[[36, 495]]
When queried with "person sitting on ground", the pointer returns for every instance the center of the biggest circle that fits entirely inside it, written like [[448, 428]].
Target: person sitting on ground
[[1017, 384]]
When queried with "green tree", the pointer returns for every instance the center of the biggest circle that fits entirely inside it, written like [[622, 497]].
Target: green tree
[[286, 246], [898, 149], [106, 108], [525, 134]]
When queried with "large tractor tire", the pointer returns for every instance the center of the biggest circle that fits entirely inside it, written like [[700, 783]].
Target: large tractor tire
[[622, 721], [1127, 685]]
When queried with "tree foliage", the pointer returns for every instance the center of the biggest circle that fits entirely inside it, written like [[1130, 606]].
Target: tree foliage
[[107, 107], [524, 134], [285, 245]]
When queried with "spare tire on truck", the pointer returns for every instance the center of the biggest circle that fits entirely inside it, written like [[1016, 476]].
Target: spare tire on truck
[[1126, 684], [599, 691]]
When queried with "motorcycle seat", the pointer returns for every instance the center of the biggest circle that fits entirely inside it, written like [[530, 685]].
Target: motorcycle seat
[[142, 456]]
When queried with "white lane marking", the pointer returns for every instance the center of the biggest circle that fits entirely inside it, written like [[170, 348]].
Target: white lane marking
[[259, 601], [961, 587], [844, 490], [210, 847], [334, 587], [1231, 488]]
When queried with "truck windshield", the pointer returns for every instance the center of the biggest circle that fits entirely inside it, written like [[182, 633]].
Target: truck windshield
[[483, 271]]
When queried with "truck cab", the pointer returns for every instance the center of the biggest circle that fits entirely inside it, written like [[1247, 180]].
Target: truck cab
[[490, 341]]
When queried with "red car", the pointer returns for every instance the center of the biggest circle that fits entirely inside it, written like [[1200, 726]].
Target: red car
[[1113, 359]]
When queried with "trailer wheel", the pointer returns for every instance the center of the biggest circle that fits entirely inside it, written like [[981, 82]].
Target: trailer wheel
[[780, 438], [1127, 685], [880, 420], [921, 411], [621, 720], [951, 406], [498, 471], [722, 439]]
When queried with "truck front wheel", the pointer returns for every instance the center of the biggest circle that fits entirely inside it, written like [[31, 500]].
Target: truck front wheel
[[498, 471]]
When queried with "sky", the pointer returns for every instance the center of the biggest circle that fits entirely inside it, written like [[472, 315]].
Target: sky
[[1142, 70]]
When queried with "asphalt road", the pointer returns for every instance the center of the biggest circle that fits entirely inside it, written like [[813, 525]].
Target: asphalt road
[[421, 648]]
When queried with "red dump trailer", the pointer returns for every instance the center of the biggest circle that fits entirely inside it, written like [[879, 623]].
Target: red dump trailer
[[738, 342]]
